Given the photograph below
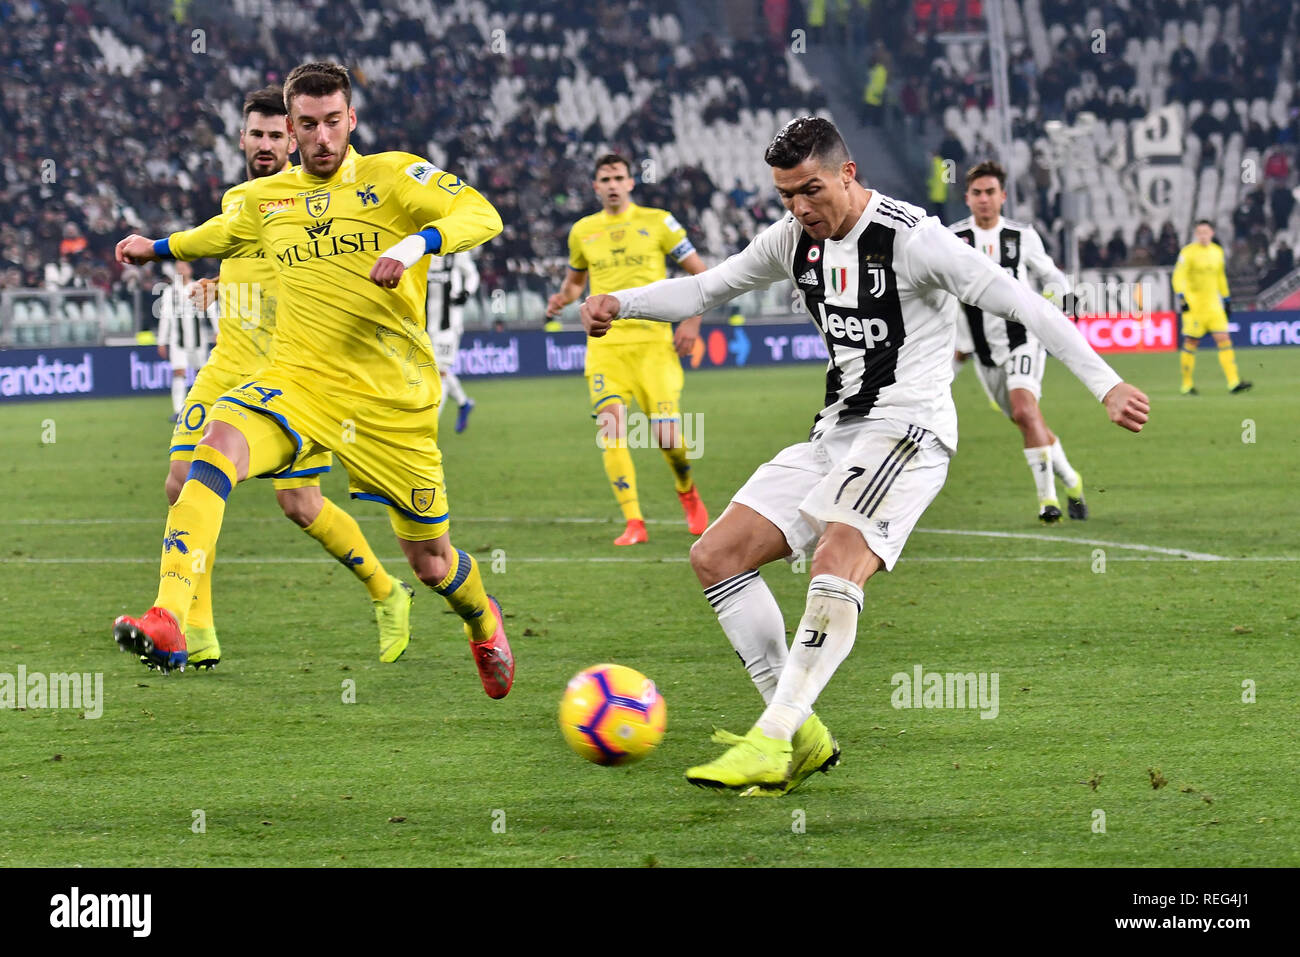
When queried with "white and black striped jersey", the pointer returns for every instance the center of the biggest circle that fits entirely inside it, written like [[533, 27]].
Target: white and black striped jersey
[[1018, 249], [181, 325], [452, 280], [881, 298]]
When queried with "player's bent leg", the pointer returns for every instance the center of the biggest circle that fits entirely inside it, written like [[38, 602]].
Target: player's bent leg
[[341, 537], [726, 560], [221, 460], [1027, 416], [454, 574], [1228, 362], [668, 436], [1187, 364], [611, 436]]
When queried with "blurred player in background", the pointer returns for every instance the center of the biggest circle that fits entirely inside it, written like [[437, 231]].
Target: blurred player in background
[[246, 294], [352, 370], [621, 246], [452, 280], [184, 335], [875, 276], [1011, 360], [1201, 296]]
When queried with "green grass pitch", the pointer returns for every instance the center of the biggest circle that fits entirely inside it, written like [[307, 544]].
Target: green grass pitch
[[1111, 682]]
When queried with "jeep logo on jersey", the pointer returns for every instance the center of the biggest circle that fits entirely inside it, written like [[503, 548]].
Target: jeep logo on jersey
[[851, 330], [317, 203]]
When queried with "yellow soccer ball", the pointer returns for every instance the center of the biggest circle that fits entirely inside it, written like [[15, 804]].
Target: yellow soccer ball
[[612, 714]]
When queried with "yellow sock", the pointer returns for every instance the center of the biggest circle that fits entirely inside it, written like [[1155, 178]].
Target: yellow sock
[[463, 589], [340, 535], [1228, 359], [1187, 360], [193, 525], [622, 477], [681, 466], [200, 615]]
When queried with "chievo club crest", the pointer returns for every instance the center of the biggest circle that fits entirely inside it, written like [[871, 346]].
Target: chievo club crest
[[317, 203], [838, 277]]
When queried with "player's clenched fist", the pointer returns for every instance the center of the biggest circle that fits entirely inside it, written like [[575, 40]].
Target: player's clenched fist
[[387, 272], [598, 313], [135, 250], [1128, 406]]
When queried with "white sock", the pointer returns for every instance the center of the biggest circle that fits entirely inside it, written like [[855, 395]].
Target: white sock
[[754, 625], [1040, 463], [451, 385], [823, 641], [178, 393], [1061, 466]]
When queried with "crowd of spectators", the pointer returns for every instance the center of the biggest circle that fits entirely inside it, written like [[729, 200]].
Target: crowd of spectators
[[92, 156], [908, 39]]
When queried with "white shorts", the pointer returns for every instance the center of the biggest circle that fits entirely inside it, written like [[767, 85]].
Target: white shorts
[[1023, 369], [446, 345], [187, 358], [877, 475]]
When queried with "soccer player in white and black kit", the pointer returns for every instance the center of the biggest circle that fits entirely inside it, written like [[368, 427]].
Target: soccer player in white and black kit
[[452, 280], [876, 276], [1009, 358], [183, 332]]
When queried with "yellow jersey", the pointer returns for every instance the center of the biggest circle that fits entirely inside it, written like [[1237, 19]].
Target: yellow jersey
[[623, 251], [333, 325], [1200, 277], [246, 289]]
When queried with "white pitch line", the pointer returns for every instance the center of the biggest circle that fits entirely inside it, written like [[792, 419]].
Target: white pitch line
[[578, 520], [1041, 537], [623, 560]]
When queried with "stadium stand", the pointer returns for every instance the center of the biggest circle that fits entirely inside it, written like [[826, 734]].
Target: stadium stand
[[1196, 106], [123, 116]]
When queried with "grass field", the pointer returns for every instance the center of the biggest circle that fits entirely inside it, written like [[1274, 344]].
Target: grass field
[[1109, 681]]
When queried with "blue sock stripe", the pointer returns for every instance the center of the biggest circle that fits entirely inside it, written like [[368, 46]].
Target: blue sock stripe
[[463, 564], [209, 475]]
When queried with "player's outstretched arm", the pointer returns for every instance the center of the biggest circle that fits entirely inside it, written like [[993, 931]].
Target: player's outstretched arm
[[757, 266], [937, 257], [136, 250]]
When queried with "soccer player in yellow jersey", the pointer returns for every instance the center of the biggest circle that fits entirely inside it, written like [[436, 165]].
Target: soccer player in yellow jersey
[[246, 294], [621, 246], [1201, 295], [353, 370]]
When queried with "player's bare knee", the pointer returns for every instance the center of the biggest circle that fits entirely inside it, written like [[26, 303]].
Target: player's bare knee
[[430, 569], [230, 442], [173, 487], [298, 506], [708, 561]]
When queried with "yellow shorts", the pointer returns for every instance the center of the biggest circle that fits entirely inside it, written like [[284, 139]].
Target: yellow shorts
[[649, 372], [1197, 322], [209, 385], [391, 455]]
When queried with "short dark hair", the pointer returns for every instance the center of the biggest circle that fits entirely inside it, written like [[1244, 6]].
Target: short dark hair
[[317, 79], [987, 168], [611, 159], [269, 101], [803, 137], [1204, 222]]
